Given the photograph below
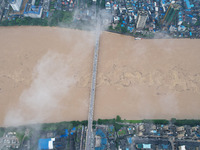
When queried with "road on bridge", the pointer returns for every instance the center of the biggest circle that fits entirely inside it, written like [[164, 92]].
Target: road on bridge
[[90, 136]]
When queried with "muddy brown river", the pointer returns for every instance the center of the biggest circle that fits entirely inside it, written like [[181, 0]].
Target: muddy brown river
[[45, 76]]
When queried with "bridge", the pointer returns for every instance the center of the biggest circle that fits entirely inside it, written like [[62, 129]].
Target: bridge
[[89, 135]]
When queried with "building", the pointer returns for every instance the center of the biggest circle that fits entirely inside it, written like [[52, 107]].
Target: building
[[141, 127], [188, 4], [182, 147], [15, 4], [2, 7], [142, 18], [97, 141], [46, 4], [10, 141], [179, 129], [45, 144], [143, 146], [171, 14], [101, 140], [33, 11], [52, 143]]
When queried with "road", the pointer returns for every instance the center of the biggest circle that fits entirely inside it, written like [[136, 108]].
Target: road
[[82, 137]]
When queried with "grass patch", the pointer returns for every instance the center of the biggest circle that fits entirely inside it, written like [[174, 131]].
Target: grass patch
[[2, 131], [121, 132]]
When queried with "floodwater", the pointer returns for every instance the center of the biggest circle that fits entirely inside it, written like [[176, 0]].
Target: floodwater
[[45, 76], [40, 73]]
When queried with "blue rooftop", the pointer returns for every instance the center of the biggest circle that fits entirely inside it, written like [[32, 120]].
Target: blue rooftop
[[103, 139], [129, 140], [33, 9], [66, 133], [188, 4], [100, 133], [43, 144], [165, 146], [111, 128]]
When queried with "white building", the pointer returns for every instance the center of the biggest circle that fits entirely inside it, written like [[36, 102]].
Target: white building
[[15, 4], [182, 147], [142, 18]]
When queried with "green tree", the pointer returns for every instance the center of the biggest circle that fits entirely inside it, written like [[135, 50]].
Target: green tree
[[118, 118], [173, 120], [117, 126], [123, 29], [99, 121]]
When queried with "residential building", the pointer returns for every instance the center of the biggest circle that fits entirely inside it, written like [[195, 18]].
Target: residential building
[[171, 14], [33, 11], [182, 147], [2, 7], [15, 4], [142, 18]]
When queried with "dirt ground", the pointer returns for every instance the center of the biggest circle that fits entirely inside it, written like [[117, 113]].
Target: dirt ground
[[45, 76]]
